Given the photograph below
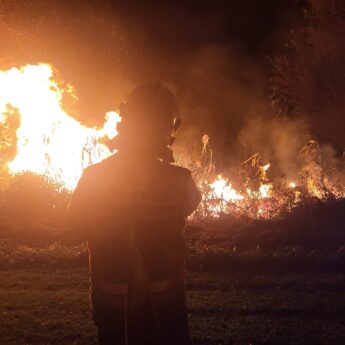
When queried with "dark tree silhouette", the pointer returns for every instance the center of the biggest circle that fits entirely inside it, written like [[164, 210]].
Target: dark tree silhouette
[[309, 77]]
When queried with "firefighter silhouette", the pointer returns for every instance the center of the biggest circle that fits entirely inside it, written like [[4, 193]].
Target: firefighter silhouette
[[132, 209]]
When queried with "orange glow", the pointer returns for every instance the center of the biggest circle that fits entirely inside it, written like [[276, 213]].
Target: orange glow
[[223, 190], [221, 195], [292, 184], [52, 143], [49, 141]]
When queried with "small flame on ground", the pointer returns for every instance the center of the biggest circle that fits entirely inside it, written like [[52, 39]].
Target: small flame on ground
[[223, 190], [265, 190], [222, 194], [266, 167]]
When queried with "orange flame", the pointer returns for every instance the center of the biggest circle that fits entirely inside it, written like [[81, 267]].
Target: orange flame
[[49, 141], [52, 143]]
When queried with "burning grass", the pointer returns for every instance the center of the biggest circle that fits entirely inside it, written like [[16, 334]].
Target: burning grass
[[38, 136], [251, 214], [228, 231], [256, 195], [236, 292]]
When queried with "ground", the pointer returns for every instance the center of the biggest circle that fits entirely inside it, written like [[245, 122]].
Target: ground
[[278, 282], [50, 306]]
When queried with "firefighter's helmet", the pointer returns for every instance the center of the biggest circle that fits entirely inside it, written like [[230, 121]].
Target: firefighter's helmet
[[154, 104]]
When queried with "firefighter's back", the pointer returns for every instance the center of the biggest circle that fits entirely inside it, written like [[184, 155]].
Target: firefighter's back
[[136, 241], [132, 208]]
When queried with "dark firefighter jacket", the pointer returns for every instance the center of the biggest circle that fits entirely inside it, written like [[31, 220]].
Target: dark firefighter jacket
[[133, 213]]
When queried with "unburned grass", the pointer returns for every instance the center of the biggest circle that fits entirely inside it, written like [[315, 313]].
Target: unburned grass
[[51, 306]]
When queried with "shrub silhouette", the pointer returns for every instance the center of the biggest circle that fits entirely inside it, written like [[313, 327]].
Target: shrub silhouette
[[29, 199]]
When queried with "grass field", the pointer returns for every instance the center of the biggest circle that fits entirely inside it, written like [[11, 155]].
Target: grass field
[[50, 306], [259, 284]]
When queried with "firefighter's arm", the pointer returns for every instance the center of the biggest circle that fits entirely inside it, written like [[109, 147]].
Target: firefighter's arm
[[194, 196], [78, 209]]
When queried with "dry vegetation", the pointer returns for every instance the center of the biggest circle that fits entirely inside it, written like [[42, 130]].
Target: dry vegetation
[[258, 282], [277, 280]]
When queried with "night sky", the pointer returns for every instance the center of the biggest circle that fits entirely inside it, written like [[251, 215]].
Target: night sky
[[213, 55]]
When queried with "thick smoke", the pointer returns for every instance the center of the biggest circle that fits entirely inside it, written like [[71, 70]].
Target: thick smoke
[[223, 94], [279, 140]]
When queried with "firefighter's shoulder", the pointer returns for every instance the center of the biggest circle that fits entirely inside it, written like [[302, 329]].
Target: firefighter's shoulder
[[100, 170], [177, 172]]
